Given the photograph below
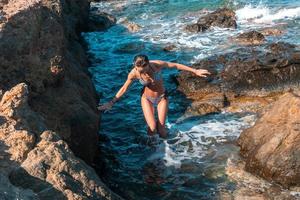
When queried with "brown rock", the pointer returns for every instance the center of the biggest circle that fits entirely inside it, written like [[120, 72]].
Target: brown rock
[[222, 17], [36, 163], [39, 46], [250, 38], [249, 186], [271, 146], [169, 47], [246, 80], [271, 32], [132, 27]]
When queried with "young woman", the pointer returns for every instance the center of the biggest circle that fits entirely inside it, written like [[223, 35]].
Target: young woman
[[153, 93]]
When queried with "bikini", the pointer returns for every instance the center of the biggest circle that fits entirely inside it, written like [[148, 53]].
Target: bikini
[[157, 77]]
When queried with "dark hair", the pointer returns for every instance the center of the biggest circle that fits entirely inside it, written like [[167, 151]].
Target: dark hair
[[140, 60]]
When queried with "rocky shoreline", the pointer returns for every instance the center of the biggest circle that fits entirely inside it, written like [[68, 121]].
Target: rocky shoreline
[[257, 77], [49, 121]]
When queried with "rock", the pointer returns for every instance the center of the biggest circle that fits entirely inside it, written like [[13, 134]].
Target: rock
[[270, 147], [35, 162], [249, 186], [205, 93], [169, 47], [250, 38], [51, 166], [271, 31], [282, 48], [222, 17], [39, 46], [244, 80], [49, 103], [100, 21], [132, 27], [261, 72], [129, 47]]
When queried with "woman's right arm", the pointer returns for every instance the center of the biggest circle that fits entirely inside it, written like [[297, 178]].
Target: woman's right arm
[[121, 91]]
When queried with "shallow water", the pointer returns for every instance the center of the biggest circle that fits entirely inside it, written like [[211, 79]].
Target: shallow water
[[190, 163]]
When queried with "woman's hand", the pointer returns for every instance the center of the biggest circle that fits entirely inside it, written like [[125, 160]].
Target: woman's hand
[[201, 72], [105, 107]]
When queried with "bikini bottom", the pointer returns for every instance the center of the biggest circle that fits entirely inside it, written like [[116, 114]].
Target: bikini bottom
[[155, 100]]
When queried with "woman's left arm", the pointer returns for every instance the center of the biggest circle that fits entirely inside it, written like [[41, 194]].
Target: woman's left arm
[[199, 72]]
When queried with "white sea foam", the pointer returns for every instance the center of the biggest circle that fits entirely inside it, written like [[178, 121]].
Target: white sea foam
[[263, 14], [192, 139]]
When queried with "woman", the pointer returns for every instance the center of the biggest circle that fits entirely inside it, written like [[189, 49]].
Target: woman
[[153, 93]]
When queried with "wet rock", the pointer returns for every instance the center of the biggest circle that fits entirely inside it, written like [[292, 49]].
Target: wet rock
[[100, 21], [222, 17], [245, 80], [250, 38], [132, 27], [206, 93], [270, 147], [271, 31], [169, 47], [282, 48], [129, 47], [260, 71]]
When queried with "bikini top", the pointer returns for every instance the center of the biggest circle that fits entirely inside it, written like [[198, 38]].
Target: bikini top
[[157, 77]]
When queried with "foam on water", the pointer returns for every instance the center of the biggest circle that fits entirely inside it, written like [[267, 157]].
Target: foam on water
[[158, 29], [263, 14], [191, 139]]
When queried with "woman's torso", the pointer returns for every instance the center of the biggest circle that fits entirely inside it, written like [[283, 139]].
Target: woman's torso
[[155, 88]]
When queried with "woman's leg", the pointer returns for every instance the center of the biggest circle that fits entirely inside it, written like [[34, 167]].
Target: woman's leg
[[148, 110], [162, 111]]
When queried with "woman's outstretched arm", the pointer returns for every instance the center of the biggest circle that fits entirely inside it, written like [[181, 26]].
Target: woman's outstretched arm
[[199, 72], [121, 91]]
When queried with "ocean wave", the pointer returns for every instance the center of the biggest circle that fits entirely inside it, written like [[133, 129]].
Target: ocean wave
[[263, 14]]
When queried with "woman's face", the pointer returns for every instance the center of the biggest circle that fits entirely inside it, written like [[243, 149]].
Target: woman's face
[[143, 69]]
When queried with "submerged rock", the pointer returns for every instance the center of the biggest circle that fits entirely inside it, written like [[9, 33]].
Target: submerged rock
[[271, 147], [222, 17]]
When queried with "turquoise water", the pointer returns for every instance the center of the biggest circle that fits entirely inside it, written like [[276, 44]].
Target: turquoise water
[[190, 163]]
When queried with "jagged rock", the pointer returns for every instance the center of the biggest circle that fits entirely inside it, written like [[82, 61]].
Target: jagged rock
[[250, 38], [246, 80], [51, 166], [262, 71], [39, 46], [271, 147], [222, 17], [35, 162]]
